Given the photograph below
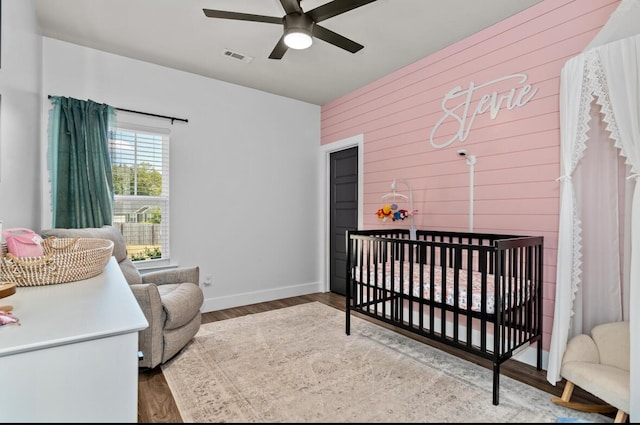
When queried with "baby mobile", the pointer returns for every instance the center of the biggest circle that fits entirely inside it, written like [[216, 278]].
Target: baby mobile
[[391, 211]]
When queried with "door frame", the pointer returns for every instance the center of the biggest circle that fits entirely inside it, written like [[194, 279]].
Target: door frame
[[326, 151]]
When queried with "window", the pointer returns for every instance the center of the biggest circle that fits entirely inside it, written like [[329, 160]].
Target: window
[[140, 164]]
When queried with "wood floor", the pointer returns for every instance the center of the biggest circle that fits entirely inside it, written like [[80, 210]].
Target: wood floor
[[156, 404]]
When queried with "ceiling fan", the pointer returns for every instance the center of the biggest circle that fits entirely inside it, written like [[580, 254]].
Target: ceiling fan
[[300, 27]]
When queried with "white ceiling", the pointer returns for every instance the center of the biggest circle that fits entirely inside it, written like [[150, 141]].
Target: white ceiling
[[177, 34]]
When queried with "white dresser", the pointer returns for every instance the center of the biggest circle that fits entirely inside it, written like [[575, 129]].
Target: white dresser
[[74, 356]]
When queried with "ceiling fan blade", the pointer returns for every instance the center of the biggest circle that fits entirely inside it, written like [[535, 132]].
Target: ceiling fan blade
[[241, 16], [291, 6], [335, 39], [334, 8], [280, 49]]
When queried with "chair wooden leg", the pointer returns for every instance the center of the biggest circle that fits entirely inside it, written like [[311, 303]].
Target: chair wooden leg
[[568, 391], [621, 417], [583, 407]]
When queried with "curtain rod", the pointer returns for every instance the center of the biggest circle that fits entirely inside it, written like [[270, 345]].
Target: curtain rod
[[148, 114]]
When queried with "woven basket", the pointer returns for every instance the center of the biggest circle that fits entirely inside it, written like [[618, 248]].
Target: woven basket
[[64, 260]]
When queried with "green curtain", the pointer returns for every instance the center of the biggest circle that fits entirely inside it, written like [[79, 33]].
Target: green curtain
[[79, 163]]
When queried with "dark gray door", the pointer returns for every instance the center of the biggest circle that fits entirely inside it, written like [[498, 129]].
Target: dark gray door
[[343, 205]]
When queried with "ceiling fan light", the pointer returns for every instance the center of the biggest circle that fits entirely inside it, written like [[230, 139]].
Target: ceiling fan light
[[298, 39]]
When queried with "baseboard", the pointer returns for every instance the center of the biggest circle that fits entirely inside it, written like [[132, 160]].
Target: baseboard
[[247, 298], [530, 356]]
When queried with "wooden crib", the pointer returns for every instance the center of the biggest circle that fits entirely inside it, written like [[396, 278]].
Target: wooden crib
[[481, 293]]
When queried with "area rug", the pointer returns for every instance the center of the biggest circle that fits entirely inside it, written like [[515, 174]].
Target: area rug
[[297, 365]]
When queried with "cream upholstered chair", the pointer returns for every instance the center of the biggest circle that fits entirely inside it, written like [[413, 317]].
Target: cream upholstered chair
[[599, 364], [170, 299]]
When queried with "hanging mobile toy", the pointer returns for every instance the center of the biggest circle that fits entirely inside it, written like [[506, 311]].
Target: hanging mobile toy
[[392, 212]]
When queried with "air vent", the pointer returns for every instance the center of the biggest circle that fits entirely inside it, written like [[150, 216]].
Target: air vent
[[236, 55]]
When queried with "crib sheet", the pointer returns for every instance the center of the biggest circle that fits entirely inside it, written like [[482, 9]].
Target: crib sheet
[[384, 276]]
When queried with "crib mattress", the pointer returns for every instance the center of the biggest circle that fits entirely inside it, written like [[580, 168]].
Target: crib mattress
[[386, 278]]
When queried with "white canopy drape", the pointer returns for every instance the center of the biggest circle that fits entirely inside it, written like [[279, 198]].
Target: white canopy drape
[[599, 86]]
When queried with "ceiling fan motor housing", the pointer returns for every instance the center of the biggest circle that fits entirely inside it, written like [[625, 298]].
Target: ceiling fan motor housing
[[298, 25]]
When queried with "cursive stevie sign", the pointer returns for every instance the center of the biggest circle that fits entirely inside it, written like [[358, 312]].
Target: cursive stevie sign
[[457, 105]]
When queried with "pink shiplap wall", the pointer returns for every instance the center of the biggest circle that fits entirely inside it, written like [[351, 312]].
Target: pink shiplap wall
[[515, 187]]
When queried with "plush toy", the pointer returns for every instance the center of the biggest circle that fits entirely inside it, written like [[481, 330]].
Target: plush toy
[[385, 213], [400, 215]]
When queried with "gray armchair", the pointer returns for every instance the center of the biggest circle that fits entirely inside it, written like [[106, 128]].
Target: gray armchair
[[170, 299]]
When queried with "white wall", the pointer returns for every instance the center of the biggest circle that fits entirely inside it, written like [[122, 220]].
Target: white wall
[[244, 170], [20, 115]]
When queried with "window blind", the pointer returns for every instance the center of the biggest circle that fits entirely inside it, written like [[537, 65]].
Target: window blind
[[140, 165]]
